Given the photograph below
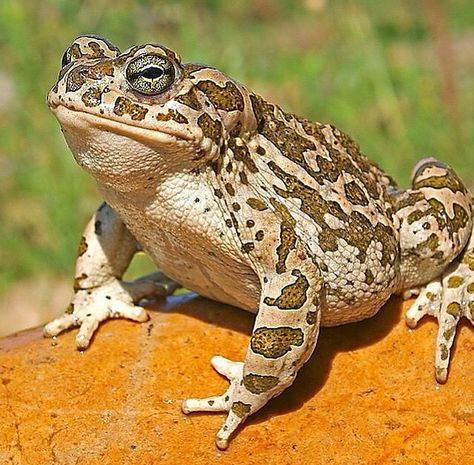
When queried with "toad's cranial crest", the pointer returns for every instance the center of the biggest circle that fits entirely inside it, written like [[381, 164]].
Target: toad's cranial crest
[[248, 205]]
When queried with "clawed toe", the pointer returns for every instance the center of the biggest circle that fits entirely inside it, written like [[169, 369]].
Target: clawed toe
[[448, 299], [233, 372]]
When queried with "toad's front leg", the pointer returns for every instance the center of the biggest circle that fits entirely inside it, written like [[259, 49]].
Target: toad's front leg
[[284, 336], [105, 251]]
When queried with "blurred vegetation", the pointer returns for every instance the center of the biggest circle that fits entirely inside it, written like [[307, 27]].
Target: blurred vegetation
[[396, 75]]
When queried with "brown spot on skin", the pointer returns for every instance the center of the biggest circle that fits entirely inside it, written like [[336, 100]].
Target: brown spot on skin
[[227, 98], [292, 296], [74, 52], [449, 181], [408, 199], [455, 281], [471, 308], [79, 75], [248, 247], [287, 244], [448, 334], [77, 282], [228, 223], [92, 97], [312, 317], [210, 128], [258, 384], [70, 309], [259, 235], [172, 115], [230, 189], [369, 277], [256, 204], [241, 409], [124, 106], [97, 51], [261, 150], [243, 178], [275, 342], [250, 223], [355, 194], [241, 153], [431, 243], [468, 259], [454, 309], [470, 288], [82, 247], [190, 100], [415, 215], [452, 225], [76, 79], [236, 206], [235, 223], [444, 352]]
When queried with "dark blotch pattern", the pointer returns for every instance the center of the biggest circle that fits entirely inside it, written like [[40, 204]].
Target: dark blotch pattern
[[124, 106], [172, 115], [210, 128], [190, 100], [258, 384], [241, 409], [293, 296], [92, 97], [275, 342], [225, 98], [82, 73], [82, 246]]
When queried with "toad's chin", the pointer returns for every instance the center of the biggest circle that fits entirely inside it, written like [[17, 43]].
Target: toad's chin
[[119, 155]]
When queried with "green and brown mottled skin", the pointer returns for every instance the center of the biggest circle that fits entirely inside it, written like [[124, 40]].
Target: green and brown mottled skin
[[248, 205]]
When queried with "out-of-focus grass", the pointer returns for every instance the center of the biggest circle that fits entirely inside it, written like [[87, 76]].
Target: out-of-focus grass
[[369, 67]]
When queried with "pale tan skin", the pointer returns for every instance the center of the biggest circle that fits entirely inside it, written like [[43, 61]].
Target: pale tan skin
[[245, 204]]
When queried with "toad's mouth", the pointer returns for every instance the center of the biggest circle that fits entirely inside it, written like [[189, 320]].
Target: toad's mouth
[[83, 121]]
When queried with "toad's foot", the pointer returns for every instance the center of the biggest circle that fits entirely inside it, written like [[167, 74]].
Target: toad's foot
[[447, 299], [112, 299], [233, 371]]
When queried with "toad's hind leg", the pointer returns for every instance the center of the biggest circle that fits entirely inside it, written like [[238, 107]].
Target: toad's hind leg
[[284, 336], [437, 249], [435, 222]]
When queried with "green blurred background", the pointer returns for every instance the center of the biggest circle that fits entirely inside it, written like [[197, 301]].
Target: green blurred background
[[396, 75]]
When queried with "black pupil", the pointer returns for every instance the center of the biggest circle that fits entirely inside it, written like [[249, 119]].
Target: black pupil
[[153, 72]]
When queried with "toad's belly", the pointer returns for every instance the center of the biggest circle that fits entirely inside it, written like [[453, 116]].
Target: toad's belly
[[230, 282], [199, 266]]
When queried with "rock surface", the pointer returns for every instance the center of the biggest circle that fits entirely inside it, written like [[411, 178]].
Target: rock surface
[[367, 396]]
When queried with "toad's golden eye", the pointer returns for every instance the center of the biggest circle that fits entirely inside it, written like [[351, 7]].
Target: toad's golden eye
[[150, 74]]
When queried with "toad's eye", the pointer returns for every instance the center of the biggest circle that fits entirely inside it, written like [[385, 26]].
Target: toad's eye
[[150, 74]]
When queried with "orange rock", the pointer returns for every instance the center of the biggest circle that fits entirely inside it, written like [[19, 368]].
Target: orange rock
[[367, 396]]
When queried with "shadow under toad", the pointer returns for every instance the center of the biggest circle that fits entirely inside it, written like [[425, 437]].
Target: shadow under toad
[[312, 377]]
